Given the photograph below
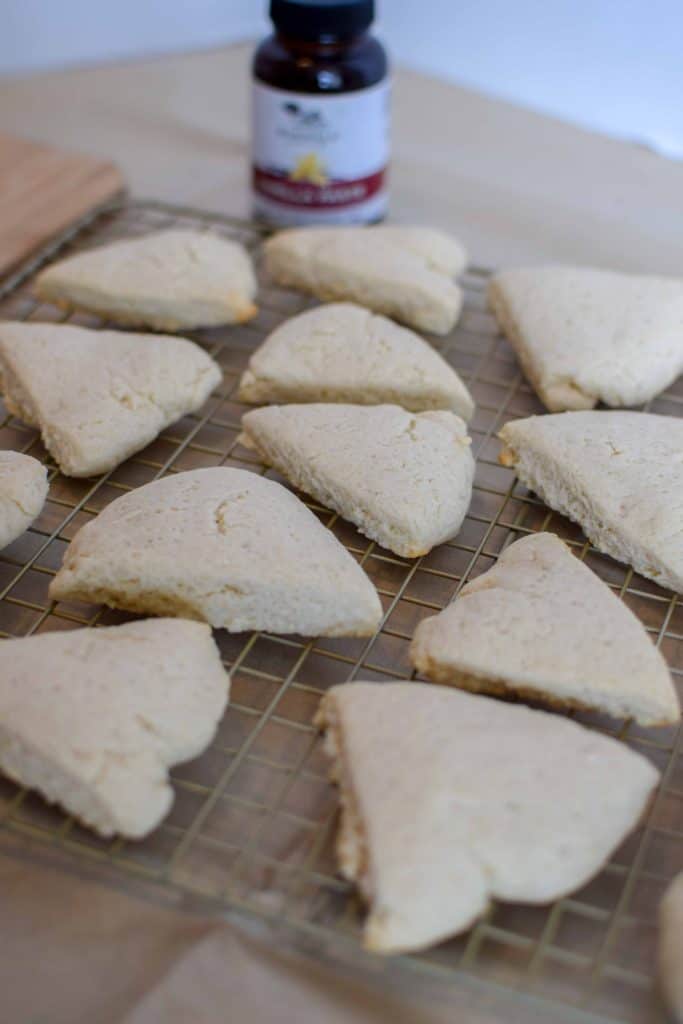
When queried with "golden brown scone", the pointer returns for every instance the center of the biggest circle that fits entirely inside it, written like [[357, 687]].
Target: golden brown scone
[[585, 335], [450, 800], [23, 490], [404, 272], [404, 479], [341, 352], [618, 474], [100, 396], [223, 545], [169, 280], [94, 718], [540, 624]]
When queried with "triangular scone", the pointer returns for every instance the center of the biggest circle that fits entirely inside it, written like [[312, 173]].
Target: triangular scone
[[618, 474], [585, 336], [99, 396], [404, 479], [343, 353], [170, 281], [23, 490], [223, 545], [542, 625], [94, 718], [670, 952], [405, 272], [449, 800]]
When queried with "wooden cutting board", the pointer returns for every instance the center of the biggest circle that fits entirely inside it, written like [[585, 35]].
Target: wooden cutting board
[[42, 190]]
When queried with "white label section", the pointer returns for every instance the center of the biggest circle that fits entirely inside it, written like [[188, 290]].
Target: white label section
[[321, 156]]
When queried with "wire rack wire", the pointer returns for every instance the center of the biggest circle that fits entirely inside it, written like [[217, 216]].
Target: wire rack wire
[[253, 822]]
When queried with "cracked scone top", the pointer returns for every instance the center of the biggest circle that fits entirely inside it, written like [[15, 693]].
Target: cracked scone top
[[94, 718], [450, 800], [404, 479], [341, 352], [23, 490], [618, 474], [99, 396], [404, 272], [223, 545], [585, 335], [541, 624], [169, 281]]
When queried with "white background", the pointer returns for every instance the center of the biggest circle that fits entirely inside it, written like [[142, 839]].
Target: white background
[[613, 65]]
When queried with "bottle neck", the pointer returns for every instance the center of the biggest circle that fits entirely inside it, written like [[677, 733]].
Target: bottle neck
[[326, 45]]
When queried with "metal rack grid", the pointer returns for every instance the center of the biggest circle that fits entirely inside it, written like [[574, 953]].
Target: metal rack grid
[[253, 823]]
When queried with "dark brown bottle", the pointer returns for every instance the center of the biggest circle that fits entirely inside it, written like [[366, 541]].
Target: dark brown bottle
[[320, 115]]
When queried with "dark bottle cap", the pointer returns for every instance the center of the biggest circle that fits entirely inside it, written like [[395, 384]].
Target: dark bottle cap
[[316, 19]]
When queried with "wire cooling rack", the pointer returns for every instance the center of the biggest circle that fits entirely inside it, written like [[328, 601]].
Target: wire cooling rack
[[254, 818]]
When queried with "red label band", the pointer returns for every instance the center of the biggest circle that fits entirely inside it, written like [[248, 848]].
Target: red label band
[[334, 195]]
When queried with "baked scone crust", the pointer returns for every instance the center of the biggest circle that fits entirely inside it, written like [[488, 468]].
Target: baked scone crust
[[404, 479], [223, 545], [94, 718], [100, 396], [540, 624], [618, 474], [341, 352], [450, 800], [168, 280], [23, 490], [585, 335], [404, 272]]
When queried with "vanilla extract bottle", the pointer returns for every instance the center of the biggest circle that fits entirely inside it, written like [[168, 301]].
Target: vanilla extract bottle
[[320, 116]]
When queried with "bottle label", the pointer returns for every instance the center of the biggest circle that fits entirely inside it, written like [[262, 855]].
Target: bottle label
[[320, 159]]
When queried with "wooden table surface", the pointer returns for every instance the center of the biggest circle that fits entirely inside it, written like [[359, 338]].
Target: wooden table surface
[[517, 186]]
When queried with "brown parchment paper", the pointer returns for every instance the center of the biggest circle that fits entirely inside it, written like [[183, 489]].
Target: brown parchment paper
[[75, 949]]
